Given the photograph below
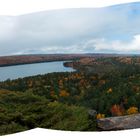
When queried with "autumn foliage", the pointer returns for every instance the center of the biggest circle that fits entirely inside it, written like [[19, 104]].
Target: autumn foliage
[[109, 90], [63, 93], [62, 100], [117, 110], [132, 110], [100, 116]]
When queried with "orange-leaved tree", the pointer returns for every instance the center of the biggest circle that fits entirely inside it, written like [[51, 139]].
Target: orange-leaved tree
[[109, 90], [63, 93], [117, 110]]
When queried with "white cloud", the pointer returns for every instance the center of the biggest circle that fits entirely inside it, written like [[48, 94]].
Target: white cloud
[[92, 46], [110, 29], [8, 27], [117, 46]]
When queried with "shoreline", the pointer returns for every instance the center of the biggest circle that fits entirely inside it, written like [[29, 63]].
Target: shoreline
[[18, 64], [41, 58]]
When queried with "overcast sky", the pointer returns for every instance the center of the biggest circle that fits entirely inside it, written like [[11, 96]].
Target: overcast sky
[[18, 7], [113, 29]]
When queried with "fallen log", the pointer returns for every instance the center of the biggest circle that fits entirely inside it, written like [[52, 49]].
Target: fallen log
[[119, 123]]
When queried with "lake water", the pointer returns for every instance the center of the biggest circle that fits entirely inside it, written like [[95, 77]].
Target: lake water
[[20, 71]]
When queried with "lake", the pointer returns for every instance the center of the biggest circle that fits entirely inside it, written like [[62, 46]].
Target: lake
[[20, 71]]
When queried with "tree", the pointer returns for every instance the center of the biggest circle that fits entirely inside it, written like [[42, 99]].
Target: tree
[[100, 116], [132, 110], [117, 110], [63, 93]]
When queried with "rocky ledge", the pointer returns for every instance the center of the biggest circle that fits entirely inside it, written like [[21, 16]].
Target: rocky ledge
[[119, 123]]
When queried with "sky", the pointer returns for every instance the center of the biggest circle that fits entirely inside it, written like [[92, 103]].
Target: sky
[[112, 29], [18, 7]]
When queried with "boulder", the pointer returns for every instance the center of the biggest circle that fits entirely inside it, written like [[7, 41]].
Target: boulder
[[92, 113], [119, 123]]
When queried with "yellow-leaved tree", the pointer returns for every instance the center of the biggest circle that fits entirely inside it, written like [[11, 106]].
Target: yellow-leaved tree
[[132, 110], [63, 93], [100, 116]]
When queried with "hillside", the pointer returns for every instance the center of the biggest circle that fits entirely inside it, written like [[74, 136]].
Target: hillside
[[28, 59], [101, 87]]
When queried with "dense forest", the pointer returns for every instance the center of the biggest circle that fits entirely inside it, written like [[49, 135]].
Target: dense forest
[[108, 85]]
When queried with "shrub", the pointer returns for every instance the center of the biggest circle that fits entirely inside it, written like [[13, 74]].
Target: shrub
[[100, 116], [132, 110]]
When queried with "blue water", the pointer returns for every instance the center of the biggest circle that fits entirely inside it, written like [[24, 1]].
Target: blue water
[[20, 71]]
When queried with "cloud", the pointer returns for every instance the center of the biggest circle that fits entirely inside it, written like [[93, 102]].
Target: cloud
[[100, 45], [109, 29], [7, 27], [117, 46]]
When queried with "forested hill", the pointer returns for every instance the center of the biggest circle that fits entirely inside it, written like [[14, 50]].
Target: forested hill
[[63, 100], [37, 58]]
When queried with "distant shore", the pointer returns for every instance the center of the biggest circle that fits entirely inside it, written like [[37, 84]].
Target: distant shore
[[40, 58]]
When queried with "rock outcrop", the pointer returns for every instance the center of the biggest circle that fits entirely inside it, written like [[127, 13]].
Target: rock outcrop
[[92, 113], [119, 123]]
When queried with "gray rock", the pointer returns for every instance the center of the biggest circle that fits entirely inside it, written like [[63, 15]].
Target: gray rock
[[119, 123], [92, 113]]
